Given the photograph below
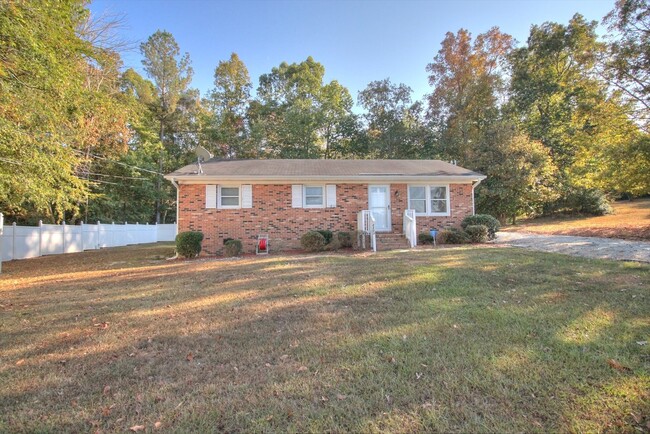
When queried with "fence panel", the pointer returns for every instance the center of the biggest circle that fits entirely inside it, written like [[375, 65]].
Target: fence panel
[[51, 240], [165, 232], [90, 237], [20, 242]]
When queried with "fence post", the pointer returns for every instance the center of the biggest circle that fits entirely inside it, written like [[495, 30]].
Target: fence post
[[82, 236], [2, 223], [63, 230], [13, 240], [40, 238], [98, 245]]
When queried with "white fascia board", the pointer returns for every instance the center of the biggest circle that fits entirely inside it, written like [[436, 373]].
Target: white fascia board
[[204, 179]]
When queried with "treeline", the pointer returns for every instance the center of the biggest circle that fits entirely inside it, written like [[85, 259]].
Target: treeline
[[558, 123]]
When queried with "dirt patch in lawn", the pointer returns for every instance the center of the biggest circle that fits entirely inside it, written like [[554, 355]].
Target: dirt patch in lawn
[[462, 339], [630, 221]]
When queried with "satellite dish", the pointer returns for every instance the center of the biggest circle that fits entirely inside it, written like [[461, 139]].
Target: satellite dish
[[202, 155]]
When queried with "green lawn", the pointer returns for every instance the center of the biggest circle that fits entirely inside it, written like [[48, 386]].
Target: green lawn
[[459, 339]]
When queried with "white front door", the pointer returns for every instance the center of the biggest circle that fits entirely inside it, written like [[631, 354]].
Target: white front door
[[379, 206]]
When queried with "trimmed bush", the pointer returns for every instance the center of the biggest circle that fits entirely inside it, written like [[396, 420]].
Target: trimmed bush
[[312, 241], [333, 245], [233, 248], [452, 236], [326, 234], [425, 238], [486, 220], [188, 244], [345, 239], [477, 233]]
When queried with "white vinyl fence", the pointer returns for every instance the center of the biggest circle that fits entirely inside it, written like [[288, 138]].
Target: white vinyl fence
[[20, 242]]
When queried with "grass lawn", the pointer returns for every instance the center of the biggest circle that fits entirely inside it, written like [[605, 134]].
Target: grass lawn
[[631, 221], [459, 339]]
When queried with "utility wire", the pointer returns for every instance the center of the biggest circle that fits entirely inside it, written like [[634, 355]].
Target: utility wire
[[118, 162], [116, 176]]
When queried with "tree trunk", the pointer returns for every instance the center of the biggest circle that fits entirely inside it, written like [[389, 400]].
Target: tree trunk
[[160, 169]]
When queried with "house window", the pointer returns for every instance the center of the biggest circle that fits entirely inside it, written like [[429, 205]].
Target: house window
[[229, 197], [314, 197], [430, 200], [439, 201]]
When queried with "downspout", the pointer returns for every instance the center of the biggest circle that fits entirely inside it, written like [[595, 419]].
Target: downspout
[[175, 184], [473, 187]]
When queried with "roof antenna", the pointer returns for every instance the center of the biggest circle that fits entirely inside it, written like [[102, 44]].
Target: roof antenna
[[202, 155]]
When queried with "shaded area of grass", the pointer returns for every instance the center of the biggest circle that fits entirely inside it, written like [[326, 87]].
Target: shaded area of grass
[[630, 221], [462, 339]]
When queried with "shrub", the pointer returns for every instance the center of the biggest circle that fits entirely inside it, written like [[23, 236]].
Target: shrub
[[188, 244], [326, 234], [452, 236], [477, 233], [345, 239], [233, 248], [335, 244], [589, 201], [312, 241], [487, 220], [425, 238]]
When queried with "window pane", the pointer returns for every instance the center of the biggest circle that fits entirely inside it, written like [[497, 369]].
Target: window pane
[[439, 206], [313, 200], [313, 191], [229, 191], [417, 192], [420, 206], [438, 193], [229, 201]]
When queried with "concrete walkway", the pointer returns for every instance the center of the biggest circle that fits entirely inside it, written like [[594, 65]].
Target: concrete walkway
[[589, 247]]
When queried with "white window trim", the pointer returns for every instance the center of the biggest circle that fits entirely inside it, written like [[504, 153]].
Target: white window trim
[[220, 205], [304, 196], [427, 190]]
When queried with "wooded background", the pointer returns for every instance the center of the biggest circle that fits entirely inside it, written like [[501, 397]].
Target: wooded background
[[557, 123]]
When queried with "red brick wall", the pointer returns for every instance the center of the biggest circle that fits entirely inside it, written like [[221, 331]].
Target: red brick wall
[[460, 207], [272, 214]]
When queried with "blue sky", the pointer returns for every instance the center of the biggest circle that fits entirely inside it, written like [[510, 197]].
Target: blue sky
[[357, 41]]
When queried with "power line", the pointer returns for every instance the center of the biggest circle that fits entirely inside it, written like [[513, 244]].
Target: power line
[[118, 162], [116, 176]]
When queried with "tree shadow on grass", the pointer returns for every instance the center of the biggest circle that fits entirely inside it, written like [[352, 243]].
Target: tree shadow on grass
[[459, 340]]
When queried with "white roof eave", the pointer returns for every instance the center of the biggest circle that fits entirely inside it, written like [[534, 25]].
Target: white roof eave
[[391, 179]]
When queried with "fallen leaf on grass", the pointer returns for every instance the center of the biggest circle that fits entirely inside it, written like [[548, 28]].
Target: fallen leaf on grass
[[189, 357], [616, 365], [136, 428], [642, 343], [340, 397], [107, 389], [302, 369], [101, 325], [157, 425], [20, 362]]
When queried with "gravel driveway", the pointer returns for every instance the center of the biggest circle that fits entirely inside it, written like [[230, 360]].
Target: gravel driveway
[[590, 247]]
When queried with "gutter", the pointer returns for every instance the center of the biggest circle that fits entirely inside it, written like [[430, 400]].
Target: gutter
[[175, 184], [392, 179], [474, 185]]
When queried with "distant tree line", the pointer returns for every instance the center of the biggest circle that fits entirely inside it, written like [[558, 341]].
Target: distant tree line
[[558, 123]]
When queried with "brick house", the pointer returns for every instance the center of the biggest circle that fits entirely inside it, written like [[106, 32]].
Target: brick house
[[242, 199]]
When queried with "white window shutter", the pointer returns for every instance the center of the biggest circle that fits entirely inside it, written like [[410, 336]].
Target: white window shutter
[[210, 196], [296, 196], [331, 196], [247, 196]]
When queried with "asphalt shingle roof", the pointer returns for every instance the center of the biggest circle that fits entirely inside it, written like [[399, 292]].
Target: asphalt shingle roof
[[324, 168]]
